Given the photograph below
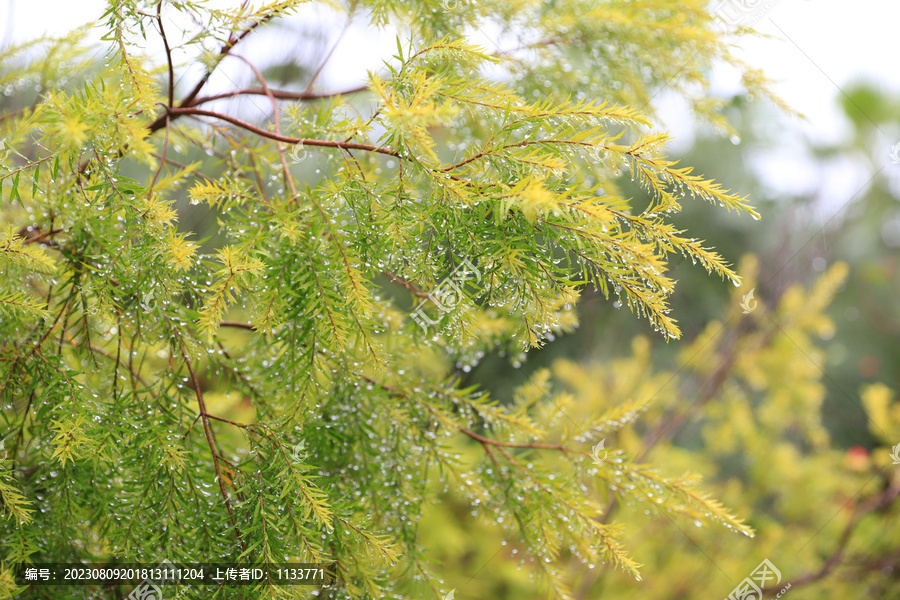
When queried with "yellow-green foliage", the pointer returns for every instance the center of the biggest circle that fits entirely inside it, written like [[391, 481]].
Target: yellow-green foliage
[[154, 385], [749, 390]]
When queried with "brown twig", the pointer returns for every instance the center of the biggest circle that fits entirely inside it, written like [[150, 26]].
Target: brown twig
[[233, 40], [162, 33], [312, 80], [288, 179], [498, 443], [283, 138], [246, 326], [229, 421], [28, 166], [204, 417], [38, 238], [279, 94]]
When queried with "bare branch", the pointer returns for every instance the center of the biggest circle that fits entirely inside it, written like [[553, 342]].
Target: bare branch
[[204, 417], [279, 94], [162, 32], [283, 138], [233, 40]]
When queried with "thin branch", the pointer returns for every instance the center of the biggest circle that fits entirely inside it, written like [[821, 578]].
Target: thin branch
[[162, 162], [191, 427], [233, 40], [28, 166], [279, 94], [116, 360], [229, 421], [412, 288], [237, 371], [283, 138], [498, 443], [540, 44], [318, 72], [162, 33], [288, 179], [246, 326], [204, 417], [40, 237]]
